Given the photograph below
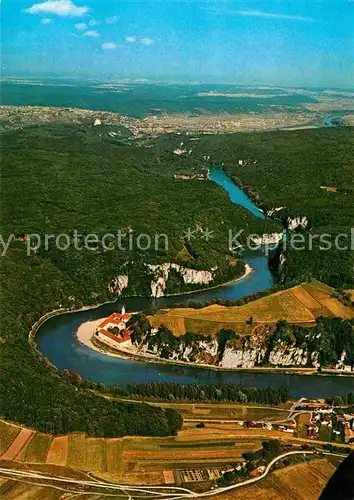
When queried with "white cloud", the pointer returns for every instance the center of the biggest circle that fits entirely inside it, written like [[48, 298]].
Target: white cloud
[[91, 34], [147, 41], [143, 41], [46, 20], [112, 20], [81, 26], [269, 15], [93, 22], [109, 46], [58, 7]]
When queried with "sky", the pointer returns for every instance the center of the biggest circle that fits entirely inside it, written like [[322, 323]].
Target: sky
[[287, 42]]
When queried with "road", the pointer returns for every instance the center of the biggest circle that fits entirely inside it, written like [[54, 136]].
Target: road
[[146, 492]]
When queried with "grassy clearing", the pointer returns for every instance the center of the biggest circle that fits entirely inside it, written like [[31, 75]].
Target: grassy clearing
[[233, 413], [300, 304]]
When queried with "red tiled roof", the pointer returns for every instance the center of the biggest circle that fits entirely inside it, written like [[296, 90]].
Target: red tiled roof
[[116, 338], [115, 318]]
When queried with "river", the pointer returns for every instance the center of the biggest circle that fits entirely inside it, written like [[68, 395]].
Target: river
[[57, 340]]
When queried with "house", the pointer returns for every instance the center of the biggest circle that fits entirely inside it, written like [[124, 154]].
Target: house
[[253, 425], [168, 477], [258, 471]]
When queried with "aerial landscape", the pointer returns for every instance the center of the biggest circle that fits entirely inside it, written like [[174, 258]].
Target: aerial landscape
[[177, 250]]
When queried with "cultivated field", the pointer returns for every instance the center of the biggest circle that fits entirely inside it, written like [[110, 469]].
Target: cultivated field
[[37, 449], [58, 451], [86, 453], [303, 481], [18, 444], [7, 435], [301, 304], [139, 460], [142, 460]]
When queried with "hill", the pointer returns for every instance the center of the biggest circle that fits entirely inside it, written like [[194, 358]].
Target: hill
[[300, 305]]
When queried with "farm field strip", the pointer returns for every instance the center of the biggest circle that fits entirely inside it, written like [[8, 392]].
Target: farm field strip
[[86, 453], [200, 444], [58, 451], [8, 433], [184, 455], [20, 441], [36, 451]]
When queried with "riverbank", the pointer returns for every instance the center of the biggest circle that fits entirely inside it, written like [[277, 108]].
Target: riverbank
[[85, 335], [63, 310], [58, 341], [248, 271]]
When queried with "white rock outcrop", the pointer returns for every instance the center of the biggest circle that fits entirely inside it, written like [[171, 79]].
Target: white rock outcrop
[[267, 239], [190, 277], [253, 351], [284, 355], [118, 284], [297, 222], [201, 348], [242, 358], [282, 260], [272, 211], [341, 363]]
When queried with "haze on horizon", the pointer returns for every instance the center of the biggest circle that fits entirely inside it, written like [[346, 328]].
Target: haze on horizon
[[245, 42]]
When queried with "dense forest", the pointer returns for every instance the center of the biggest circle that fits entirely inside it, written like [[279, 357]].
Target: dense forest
[[210, 393], [307, 173], [61, 179], [170, 391]]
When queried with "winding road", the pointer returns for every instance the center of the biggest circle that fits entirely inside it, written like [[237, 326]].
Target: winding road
[[147, 492]]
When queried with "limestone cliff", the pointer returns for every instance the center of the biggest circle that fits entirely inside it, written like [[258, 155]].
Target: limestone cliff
[[251, 355], [203, 351], [160, 274], [267, 346], [273, 211], [247, 357], [118, 284]]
